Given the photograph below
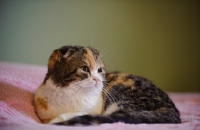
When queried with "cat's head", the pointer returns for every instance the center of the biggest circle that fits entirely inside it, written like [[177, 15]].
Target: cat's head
[[76, 66]]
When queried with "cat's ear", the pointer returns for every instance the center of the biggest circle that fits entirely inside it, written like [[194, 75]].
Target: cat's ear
[[58, 54], [66, 55], [70, 52], [55, 57]]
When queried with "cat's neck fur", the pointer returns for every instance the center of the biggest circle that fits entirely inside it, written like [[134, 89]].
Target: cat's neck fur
[[61, 100]]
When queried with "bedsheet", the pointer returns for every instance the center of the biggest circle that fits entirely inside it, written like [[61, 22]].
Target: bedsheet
[[19, 82]]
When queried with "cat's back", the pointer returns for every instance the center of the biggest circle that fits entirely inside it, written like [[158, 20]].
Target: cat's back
[[135, 92]]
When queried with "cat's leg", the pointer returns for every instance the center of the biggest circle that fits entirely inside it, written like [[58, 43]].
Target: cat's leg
[[66, 116]]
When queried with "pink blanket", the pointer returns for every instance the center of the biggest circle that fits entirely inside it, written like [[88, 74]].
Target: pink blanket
[[18, 83]]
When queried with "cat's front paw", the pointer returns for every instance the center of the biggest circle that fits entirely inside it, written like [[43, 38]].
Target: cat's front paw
[[66, 116]]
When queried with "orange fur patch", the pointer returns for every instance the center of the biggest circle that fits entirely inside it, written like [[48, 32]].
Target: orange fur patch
[[90, 59], [55, 56], [46, 121], [121, 79], [41, 103]]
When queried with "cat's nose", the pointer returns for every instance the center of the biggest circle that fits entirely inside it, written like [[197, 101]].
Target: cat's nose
[[96, 79]]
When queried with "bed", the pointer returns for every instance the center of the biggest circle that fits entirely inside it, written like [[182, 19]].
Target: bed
[[19, 82]]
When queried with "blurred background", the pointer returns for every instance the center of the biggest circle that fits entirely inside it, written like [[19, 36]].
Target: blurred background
[[159, 40]]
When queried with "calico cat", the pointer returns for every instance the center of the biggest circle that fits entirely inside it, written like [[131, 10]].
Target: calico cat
[[78, 90]]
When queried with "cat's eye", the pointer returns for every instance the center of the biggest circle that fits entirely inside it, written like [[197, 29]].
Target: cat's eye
[[85, 68], [100, 70]]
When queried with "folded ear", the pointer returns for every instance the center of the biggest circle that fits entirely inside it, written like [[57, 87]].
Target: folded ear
[[66, 55], [58, 54], [55, 57]]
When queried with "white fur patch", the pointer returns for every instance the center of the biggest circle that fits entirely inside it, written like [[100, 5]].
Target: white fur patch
[[112, 108], [78, 97], [66, 116]]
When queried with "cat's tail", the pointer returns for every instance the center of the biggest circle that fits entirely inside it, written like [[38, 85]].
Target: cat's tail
[[135, 117]]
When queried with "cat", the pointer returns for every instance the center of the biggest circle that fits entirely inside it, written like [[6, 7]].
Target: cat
[[77, 89]]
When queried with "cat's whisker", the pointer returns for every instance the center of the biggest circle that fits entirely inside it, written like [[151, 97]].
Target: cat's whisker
[[73, 89], [107, 96], [114, 93], [101, 52], [110, 95], [107, 52], [80, 90], [107, 57]]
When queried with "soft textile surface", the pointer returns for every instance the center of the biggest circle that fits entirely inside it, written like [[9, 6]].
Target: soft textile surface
[[18, 83]]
